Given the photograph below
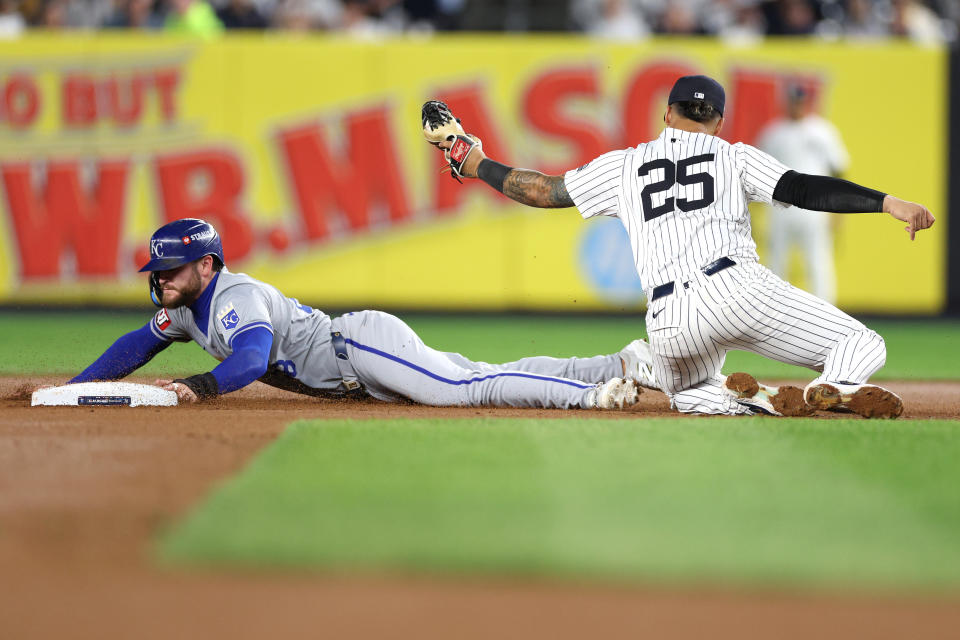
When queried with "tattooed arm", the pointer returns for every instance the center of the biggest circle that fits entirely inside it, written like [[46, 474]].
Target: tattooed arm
[[523, 185], [536, 189]]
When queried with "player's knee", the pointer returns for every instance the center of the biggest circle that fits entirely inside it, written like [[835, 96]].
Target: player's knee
[[880, 346], [870, 351]]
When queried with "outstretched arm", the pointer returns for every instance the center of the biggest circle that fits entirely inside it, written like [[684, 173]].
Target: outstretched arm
[[529, 187], [823, 193], [126, 355], [523, 185]]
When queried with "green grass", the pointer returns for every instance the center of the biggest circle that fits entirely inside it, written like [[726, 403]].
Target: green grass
[[808, 503], [51, 343]]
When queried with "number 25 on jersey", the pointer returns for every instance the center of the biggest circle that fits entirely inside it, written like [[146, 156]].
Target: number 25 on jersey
[[678, 173]]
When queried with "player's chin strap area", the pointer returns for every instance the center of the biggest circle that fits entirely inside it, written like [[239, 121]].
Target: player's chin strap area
[[156, 291]]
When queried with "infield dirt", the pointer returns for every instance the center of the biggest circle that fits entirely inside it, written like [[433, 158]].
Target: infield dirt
[[83, 493]]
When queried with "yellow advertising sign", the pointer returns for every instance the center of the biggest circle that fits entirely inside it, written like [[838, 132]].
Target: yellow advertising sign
[[306, 154]]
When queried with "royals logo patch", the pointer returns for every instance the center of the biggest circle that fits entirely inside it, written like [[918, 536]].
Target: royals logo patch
[[162, 319], [228, 317]]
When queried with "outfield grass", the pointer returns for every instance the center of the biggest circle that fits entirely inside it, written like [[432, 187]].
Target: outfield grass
[[64, 344], [802, 502]]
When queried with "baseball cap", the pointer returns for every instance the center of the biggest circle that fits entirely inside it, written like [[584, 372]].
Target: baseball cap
[[797, 92], [690, 88]]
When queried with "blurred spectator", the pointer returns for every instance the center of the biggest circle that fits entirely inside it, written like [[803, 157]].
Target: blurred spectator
[[135, 14], [303, 15], [735, 21], [54, 15], [192, 17], [913, 20], [241, 14], [790, 17], [864, 20], [611, 19], [12, 23], [516, 15], [740, 22], [680, 17]]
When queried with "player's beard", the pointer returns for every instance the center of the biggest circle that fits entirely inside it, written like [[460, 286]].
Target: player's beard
[[186, 294]]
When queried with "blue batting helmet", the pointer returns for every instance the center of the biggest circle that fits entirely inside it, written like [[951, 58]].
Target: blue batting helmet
[[182, 241]]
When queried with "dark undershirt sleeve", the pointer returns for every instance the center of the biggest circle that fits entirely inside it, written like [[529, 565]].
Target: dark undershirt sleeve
[[823, 193]]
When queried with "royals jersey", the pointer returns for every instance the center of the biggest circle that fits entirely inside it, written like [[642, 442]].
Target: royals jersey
[[681, 197], [301, 336]]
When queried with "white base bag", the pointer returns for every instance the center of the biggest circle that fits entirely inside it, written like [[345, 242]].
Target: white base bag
[[98, 394]]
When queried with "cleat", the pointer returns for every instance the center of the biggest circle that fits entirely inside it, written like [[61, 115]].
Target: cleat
[[617, 394], [869, 401], [781, 401], [638, 364]]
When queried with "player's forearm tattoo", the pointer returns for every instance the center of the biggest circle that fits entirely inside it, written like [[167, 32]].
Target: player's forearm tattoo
[[536, 189]]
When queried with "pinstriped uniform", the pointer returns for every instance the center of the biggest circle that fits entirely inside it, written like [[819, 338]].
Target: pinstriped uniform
[[683, 201]]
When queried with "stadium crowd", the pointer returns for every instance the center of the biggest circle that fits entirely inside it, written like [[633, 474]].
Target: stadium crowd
[[922, 21]]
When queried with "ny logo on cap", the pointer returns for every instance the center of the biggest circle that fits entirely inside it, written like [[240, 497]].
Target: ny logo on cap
[[698, 95]]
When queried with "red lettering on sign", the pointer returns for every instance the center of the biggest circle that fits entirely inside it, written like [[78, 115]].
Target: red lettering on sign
[[646, 100], [124, 98], [79, 101], [366, 172], [166, 82], [119, 98], [64, 214], [470, 107], [207, 184], [21, 101], [543, 106]]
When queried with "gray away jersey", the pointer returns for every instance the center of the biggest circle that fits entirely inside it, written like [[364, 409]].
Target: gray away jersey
[[681, 197], [301, 336]]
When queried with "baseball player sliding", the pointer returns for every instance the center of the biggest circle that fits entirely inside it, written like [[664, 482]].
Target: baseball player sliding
[[682, 198], [259, 334]]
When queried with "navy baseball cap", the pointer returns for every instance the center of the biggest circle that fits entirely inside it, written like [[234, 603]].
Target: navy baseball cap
[[690, 88]]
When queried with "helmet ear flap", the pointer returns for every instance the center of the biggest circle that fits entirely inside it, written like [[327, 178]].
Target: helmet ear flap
[[156, 292]]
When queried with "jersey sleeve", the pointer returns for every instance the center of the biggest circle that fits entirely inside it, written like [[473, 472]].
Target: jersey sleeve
[[165, 326], [759, 172], [242, 309], [595, 186]]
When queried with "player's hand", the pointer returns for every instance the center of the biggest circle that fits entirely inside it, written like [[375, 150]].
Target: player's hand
[[469, 167], [184, 393], [915, 215]]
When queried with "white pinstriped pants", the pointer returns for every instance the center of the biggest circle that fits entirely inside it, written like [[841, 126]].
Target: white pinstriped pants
[[749, 308]]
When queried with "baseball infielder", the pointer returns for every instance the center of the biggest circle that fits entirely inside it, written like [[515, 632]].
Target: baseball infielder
[[682, 198], [808, 143], [259, 334]]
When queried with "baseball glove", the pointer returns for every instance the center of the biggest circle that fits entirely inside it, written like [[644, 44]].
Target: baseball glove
[[439, 125]]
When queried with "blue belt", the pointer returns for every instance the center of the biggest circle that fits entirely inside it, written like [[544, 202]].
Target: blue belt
[[716, 266], [339, 345]]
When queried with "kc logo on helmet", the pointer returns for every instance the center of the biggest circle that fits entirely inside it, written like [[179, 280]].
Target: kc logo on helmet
[[156, 248]]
